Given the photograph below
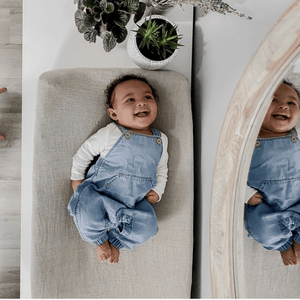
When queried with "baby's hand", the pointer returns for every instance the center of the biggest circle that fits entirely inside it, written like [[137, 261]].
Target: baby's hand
[[255, 199], [152, 197], [75, 184]]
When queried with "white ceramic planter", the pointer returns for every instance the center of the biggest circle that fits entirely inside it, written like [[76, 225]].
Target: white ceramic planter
[[138, 58]]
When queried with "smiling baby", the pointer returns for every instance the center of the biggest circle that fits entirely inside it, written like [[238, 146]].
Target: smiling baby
[[273, 210], [111, 204]]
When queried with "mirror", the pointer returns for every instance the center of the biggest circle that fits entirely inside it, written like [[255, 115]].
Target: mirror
[[266, 275], [236, 260]]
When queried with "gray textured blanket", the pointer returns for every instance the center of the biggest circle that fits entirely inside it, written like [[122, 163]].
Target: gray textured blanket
[[70, 108]]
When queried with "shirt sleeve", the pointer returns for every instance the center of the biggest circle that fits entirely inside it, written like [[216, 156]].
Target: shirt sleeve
[[162, 169], [89, 149], [297, 127], [249, 193]]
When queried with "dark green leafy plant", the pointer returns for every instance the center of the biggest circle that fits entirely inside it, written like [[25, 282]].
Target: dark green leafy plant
[[157, 39], [106, 19]]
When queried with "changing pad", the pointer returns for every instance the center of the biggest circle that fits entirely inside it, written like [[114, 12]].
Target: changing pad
[[70, 108]]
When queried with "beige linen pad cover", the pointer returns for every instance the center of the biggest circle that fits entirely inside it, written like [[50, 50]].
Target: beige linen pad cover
[[70, 108]]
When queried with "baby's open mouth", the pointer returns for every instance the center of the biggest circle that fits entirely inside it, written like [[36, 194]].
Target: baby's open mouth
[[280, 116], [142, 113]]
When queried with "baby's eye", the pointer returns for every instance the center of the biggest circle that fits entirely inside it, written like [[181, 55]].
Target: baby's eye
[[292, 103], [148, 97], [130, 100]]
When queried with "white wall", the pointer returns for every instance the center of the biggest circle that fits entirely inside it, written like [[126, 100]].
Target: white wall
[[223, 46]]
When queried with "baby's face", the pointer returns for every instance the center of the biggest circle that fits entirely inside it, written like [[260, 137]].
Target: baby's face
[[134, 106], [283, 113]]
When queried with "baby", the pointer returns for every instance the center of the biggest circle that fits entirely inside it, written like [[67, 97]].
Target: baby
[[111, 204], [273, 210]]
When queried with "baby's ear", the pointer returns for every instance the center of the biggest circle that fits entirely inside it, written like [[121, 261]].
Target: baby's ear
[[111, 112]]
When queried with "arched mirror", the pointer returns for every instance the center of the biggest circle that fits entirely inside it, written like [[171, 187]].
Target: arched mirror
[[240, 267]]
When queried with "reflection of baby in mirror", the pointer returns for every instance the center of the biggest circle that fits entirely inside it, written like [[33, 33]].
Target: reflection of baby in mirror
[[273, 192], [111, 207]]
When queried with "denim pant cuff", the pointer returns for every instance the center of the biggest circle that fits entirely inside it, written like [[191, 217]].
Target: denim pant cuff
[[286, 246], [101, 240], [113, 240], [296, 238]]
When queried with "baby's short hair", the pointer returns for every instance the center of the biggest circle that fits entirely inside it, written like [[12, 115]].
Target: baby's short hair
[[122, 78], [289, 83]]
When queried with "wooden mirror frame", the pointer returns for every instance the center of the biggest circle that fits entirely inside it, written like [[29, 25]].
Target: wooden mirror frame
[[252, 97]]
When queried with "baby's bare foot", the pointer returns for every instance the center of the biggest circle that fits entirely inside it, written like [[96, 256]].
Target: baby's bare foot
[[115, 254], [296, 248], [103, 251], [289, 258]]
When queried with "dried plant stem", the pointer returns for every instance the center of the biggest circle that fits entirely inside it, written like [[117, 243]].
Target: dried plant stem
[[213, 5]]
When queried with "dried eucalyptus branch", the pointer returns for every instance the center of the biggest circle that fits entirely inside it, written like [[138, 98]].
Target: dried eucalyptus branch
[[213, 5]]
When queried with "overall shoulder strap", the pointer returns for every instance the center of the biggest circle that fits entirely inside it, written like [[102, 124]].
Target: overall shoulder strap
[[156, 132], [122, 129]]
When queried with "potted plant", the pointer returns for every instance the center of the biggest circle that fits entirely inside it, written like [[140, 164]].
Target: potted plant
[[153, 42], [106, 19]]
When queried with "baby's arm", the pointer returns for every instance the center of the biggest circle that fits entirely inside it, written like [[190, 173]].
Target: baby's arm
[[88, 150], [75, 184], [252, 196], [152, 197], [255, 199], [161, 173]]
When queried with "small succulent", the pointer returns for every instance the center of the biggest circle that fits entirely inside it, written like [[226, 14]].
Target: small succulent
[[106, 19], [148, 33], [159, 39]]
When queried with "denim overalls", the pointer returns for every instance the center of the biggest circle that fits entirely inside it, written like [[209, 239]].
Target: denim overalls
[[110, 203], [275, 173]]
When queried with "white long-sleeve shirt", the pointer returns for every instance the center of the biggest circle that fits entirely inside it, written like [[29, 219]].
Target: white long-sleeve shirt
[[101, 142], [251, 191]]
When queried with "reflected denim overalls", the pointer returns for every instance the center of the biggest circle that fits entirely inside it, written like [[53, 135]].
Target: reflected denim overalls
[[110, 203], [275, 173]]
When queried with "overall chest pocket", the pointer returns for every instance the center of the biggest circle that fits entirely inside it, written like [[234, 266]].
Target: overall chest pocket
[[281, 194], [129, 189]]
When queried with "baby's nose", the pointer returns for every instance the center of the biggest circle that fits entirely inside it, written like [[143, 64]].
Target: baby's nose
[[283, 106], [142, 103]]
